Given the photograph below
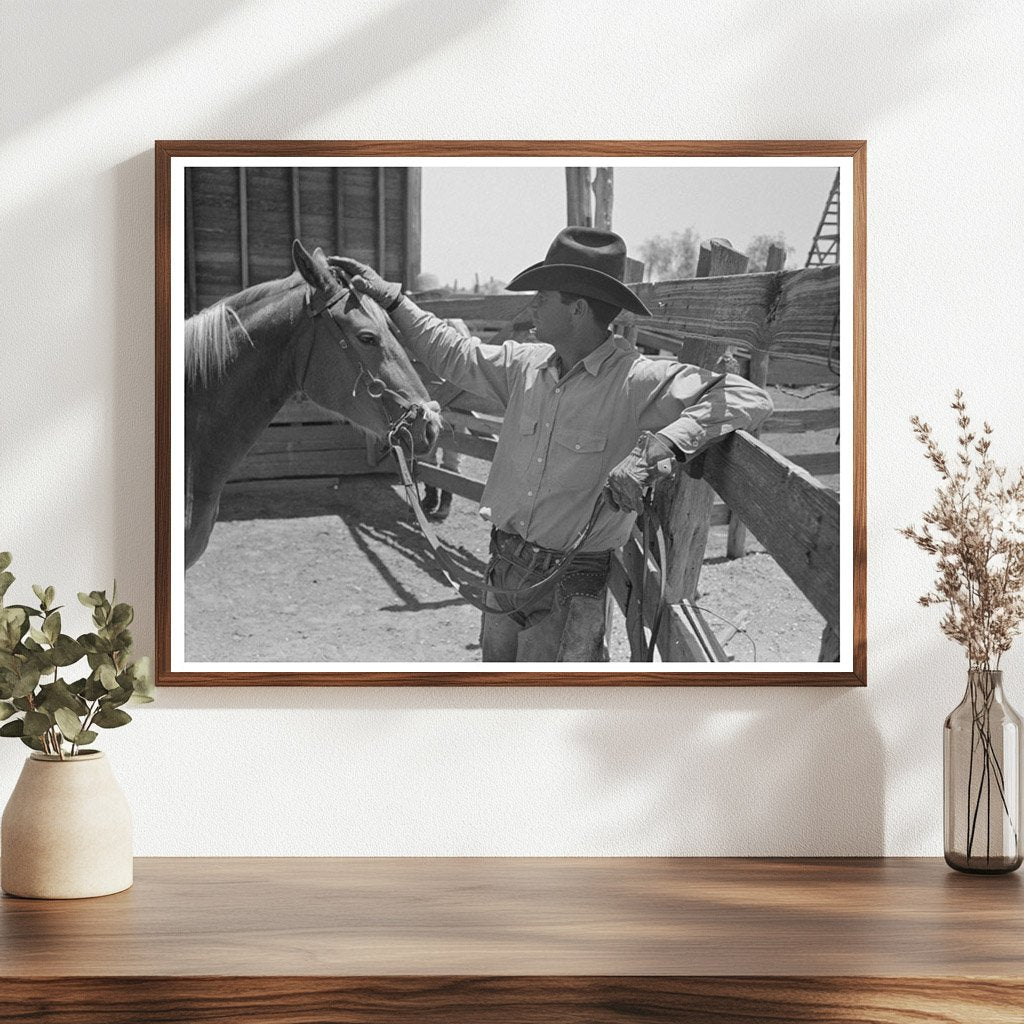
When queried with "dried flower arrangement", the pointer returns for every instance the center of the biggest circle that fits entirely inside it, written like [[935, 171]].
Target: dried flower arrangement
[[976, 528]]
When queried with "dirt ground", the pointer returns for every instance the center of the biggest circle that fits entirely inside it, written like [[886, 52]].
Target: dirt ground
[[320, 574]]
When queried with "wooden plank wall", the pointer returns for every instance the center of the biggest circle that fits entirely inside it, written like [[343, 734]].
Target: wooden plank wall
[[229, 244]]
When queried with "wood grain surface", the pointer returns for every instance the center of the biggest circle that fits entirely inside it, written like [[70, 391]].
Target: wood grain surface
[[523, 939]]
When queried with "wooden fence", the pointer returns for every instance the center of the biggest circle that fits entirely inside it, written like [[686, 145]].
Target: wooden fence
[[759, 320]]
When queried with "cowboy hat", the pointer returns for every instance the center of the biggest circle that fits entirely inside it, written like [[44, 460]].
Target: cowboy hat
[[586, 262]]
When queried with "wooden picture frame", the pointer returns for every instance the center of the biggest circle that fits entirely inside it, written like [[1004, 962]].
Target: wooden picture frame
[[816, 533]]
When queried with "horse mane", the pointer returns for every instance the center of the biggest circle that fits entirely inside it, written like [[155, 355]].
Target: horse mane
[[213, 335], [211, 342]]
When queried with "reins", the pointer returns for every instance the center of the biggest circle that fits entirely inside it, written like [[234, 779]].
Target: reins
[[474, 590]]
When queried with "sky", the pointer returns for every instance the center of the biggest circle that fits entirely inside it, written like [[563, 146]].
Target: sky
[[496, 221]]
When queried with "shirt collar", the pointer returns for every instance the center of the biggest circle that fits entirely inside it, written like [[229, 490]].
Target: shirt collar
[[593, 362]]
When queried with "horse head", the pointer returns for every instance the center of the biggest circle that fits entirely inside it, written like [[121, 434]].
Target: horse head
[[355, 365]]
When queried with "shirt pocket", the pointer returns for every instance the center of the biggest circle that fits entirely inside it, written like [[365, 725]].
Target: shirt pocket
[[578, 460], [525, 443]]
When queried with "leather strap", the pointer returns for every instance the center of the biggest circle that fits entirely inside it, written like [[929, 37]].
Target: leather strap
[[476, 591], [649, 517]]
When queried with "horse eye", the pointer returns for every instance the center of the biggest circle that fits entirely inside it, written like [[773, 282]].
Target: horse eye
[[368, 338]]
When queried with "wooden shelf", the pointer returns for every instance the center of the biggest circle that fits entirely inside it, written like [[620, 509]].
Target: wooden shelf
[[311, 940]]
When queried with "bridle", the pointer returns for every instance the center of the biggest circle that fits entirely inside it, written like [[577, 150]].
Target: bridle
[[376, 388]]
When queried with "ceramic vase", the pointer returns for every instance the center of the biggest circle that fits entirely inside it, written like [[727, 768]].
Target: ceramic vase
[[66, 831]]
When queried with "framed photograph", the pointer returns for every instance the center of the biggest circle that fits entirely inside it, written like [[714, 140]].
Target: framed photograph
[[493, 413]]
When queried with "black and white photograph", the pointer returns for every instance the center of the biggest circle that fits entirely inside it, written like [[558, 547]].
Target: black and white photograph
[[438, 417]]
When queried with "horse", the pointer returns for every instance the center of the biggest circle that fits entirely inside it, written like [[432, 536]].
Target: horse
[[310, 332]]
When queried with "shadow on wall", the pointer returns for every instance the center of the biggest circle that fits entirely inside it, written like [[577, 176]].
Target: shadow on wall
[[785, 40], [677, 779], [72, 31]]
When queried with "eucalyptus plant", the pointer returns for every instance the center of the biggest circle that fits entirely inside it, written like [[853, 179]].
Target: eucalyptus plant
[[54, 716]]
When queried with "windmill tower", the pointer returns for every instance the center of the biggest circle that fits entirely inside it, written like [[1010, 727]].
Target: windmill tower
[[825, 247]]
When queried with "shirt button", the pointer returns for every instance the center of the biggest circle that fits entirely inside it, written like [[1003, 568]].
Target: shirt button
[[577, 447], [529, 494], [547, 426], [522, 522], [558, 391], [539, 459]]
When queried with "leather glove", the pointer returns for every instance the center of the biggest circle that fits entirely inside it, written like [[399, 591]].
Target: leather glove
[[366, 280], [651, 459]]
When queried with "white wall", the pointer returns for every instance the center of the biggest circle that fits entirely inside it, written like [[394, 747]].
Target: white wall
[[937, 90]]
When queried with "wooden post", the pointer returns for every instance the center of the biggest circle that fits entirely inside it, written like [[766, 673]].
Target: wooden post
[[380, 221], [604, 194], [776, 258], [339, 210], [296, 205], [243, 226], [736, 544], [577, 195], [413, 225], [190, 247], [829, 650], [718, 258]]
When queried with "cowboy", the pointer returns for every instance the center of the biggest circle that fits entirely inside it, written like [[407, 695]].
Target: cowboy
[[585, 413]]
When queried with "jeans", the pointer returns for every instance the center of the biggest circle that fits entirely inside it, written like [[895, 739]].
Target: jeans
[[561, 622]]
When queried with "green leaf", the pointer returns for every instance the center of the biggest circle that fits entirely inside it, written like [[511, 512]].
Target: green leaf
[[58, 695], [67, 651], [31, 741], [38, 635], [6, 710], [22, 703], [10, 662], [101, 652], [88, 641], [69, 724], [115, 698], [40, 592], [28, 680], [50, 595], [87, 736], [6, 579], [142, 678], [12, 627], [108, 718], [51, 626], [15, 728], [89, 600], [107, 676], [94, 689], [29, 611], [5, 560], [36, 723], [122, 616]]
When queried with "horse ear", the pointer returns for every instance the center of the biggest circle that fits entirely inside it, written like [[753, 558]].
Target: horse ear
[[313, 268]]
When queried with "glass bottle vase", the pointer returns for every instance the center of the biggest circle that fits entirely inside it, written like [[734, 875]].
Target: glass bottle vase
[[981, 773]]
